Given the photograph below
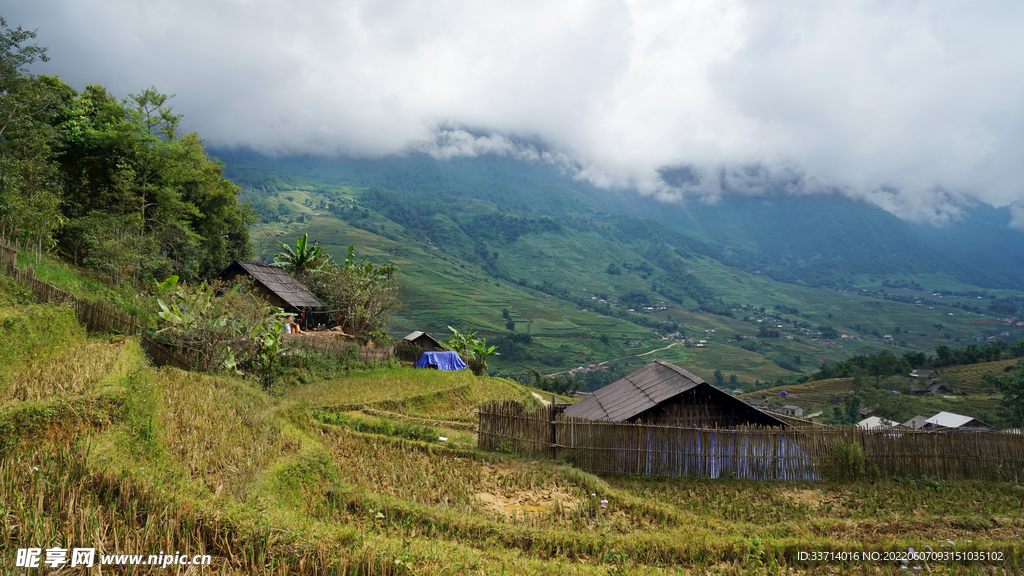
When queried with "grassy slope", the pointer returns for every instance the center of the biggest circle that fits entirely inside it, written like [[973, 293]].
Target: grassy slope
[[819, 396], [136, 460], [441, 290]]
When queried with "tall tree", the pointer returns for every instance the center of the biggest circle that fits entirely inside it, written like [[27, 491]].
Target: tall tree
[[29, 191], [141, 198], [1012, 387]]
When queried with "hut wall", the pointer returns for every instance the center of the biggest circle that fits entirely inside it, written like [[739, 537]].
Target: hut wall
[[693, 408]]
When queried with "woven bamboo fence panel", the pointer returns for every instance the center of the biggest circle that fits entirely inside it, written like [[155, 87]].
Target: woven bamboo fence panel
[[95, 316], [162, 356], [752, 452], [8, 260], [505, 426]]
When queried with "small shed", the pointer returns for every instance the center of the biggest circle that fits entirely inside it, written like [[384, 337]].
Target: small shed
[[663, 393], [276, 285], [425, 341]]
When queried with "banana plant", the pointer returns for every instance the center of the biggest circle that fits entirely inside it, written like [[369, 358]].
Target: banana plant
[[303, 259]]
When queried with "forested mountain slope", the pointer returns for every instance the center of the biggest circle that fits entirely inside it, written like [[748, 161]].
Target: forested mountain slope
[[549, 265], [817, 240]]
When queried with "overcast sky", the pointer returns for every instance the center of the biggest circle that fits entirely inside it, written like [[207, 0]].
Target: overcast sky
[[916, 106]]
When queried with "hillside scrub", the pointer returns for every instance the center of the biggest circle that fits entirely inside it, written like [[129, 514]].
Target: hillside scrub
[[363, 294], [230, 329]]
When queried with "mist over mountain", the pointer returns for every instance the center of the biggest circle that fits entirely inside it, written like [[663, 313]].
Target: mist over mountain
[[908, 105], [816, 240], [985, 237]]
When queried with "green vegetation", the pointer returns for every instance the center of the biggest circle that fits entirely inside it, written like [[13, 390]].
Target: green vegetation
[[474, 349], [222, 328], [303, 261], [519, 251], [111, 184], [362, 294], [1012, 387], [376, 471]]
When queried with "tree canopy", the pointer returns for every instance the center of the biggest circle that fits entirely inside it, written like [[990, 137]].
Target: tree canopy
[[1011, 385], [113, 184], [29, 194], [362, 294]]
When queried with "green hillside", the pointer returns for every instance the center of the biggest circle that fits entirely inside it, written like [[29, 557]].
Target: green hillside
[[351, 475], [494, 244], [973, 397]]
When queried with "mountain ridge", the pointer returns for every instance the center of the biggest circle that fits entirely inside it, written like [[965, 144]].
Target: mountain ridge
[[815, 240]]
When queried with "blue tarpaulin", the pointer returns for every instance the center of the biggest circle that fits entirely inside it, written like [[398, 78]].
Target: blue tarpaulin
[[441, 361]]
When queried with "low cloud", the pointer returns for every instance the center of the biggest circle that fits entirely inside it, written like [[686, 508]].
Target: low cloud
[[912, 106], [1017, 215]]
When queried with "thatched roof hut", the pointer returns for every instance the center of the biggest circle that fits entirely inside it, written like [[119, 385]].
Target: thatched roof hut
[[276, 285]]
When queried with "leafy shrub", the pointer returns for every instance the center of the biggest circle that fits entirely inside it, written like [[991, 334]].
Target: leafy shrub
[[221, 328], [847, 462], [474, 349]]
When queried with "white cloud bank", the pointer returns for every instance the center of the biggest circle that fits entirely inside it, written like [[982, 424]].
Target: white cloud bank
[[915, 106]]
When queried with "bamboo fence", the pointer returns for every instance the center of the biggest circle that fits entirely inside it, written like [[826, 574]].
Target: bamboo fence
[[506, 427], [95, 316], [751, 452], [338, 347], [162, 356], [8, 259]]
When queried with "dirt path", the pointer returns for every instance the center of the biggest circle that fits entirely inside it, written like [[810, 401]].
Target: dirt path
[[651, 352], [621, 357]]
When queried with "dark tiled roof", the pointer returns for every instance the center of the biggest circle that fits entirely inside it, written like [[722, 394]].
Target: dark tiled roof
[[651, 386], [635, 393], [279, 282]]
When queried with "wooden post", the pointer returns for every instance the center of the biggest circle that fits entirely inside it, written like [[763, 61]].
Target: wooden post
[[554, 435]]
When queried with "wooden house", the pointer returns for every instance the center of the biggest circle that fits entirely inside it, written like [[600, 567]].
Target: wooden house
[[937, 387], [276, 285], [663, 393], [916, 423], [792, 410]]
